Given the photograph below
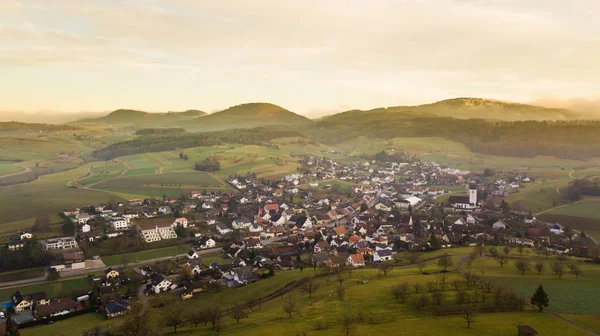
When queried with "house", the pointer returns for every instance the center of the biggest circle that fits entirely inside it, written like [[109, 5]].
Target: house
[[82, 218], [243, 275], [111, 273], [321, 246], [165, 210], [499, 225], [157, 233], [26, 235], [206, 242], [529, 219], [161, 284], [20, 302], [189, 293], [56, 308], [237, 262], [116, 308], [192, 254], [241, 224], [460, 221], [525, 330], [61, 243], [356, 260], [340, 231], [119, 223], [223, 229], [382, 255], [181, 221], [557, 229]]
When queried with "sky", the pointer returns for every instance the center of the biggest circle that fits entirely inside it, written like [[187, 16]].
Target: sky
[[311, 57]]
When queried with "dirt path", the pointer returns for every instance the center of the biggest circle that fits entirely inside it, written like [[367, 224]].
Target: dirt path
[[159, 170], [127, 164]]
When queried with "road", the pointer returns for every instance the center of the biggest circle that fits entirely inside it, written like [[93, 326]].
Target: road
[[20, 172]]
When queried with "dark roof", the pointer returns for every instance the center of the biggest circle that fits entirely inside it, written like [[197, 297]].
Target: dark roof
[[384, 253], [114, 307], [526, 329], [458, 199], [191, 252]]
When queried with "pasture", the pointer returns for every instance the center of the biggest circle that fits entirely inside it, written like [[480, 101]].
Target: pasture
[[172, 184]]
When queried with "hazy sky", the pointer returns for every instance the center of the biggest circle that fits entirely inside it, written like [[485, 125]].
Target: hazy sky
[[308, 56]]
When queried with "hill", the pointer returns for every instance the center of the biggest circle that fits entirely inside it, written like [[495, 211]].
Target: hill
[[466, 108], [245, 116], [142, 119]]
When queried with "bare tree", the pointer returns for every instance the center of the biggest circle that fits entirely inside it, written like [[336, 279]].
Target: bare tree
[[341, 292], [493, 252], [413, 257], [421, 266], [469, 315], [507, 250], [443, 278], [502, 259], [445, 261], [488, 286], [238, 313], [437, 297], [479, 249], [462, 297], [214, 316], [521, 249], [385, 267], [539, 267], [340, 279], [420, 301], [400, 292], [174, 317], [310, 287], [558, 268], [522, 266], [575, 270], [290, 308], [196, 317], [456, 284], [418, 287], [348, 325]]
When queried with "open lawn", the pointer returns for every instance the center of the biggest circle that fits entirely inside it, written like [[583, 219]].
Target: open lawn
[[66, 287], [143, 255], [567, 295], [587, 208], [588, 225], [71, 326], [173, 183], [9, 168]]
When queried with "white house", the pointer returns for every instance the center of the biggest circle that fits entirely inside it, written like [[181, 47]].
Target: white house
[[161, 284], [207, 242], [86, 228], [382, 207], [182, 221], [119, 223], [557, 229], [382, 255], [192, 254], [82, 218], [499, 225], [223, 229], [26, 235], [356, 260], [241, 224]]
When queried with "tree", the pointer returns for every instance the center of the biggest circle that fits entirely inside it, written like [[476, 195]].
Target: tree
[[469, 315], [186, 274], [421, 266], [522, 266], [420, 301], [437, 297], [506, 250], [385, 267], [493, 252], [502, 259], [174, 317], [138, 322], [400, 292], [418, 287], [558, 268], [310, 287], [214, 316], [540, 298], [341, 292], [445, 261], [195, 317], [539, 267], [521, 249], [348, 325], [479, 249], [575, 270], [52, 275], [68, 228], [238, 313], [290, 308], [434, 243]]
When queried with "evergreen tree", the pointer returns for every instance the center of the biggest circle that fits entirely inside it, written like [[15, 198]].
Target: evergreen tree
[[540, 298]]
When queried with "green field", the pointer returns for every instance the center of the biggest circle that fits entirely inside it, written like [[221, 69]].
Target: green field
[[588, 208], [143, 255], [158, 184], [71, 326], [66, 286], [567, 295], [9, 168]]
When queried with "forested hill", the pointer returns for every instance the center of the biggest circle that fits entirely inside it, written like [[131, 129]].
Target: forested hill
[[245, 116], [466, 108], [141, 119], [566, 139]]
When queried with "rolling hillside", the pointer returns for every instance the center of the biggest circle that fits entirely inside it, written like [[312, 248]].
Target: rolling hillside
[[141, 119], [465, 108], [245, 116]]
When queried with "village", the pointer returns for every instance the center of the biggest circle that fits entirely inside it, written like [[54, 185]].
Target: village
[[328, 215]]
